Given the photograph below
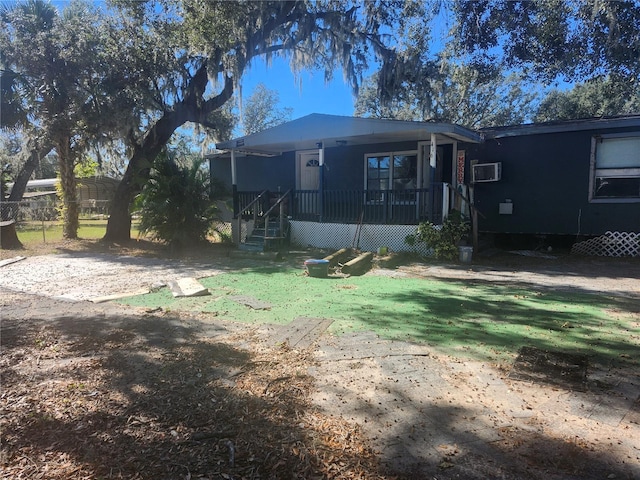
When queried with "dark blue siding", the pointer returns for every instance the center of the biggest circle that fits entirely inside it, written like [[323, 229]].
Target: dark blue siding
[[546, 176], [258, 173]]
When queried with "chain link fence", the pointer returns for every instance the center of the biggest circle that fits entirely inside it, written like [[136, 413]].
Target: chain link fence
[[29, 211], [42, 218], [48, 210]]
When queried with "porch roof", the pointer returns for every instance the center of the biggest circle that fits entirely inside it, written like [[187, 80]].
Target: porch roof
[[334, 130]]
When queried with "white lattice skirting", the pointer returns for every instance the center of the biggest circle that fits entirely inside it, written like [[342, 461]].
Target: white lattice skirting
[[340, 235], [611, 244]]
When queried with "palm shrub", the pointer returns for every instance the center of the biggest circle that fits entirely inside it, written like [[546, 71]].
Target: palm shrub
[[175, 206], [442, 239]]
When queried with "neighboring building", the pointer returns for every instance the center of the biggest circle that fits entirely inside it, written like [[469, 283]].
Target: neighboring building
[[345, 178], [94, 194]]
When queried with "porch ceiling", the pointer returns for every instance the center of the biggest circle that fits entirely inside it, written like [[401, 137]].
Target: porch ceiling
[[333, 130]]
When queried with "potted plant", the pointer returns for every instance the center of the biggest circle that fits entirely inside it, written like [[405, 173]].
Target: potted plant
[[447, 241]]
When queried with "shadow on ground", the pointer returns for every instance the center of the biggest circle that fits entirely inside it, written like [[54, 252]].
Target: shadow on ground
[[149, 397]]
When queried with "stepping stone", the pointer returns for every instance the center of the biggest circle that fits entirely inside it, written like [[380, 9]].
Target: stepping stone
[[251, 302], [302, 332], [187, 287]]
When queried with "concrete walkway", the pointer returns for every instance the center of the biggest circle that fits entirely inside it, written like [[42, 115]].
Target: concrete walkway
[[433, 416]]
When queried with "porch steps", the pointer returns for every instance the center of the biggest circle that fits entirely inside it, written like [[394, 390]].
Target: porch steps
[[264, 239]]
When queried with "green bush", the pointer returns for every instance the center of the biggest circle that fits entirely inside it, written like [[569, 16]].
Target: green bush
[[442, 239], [175, 205]]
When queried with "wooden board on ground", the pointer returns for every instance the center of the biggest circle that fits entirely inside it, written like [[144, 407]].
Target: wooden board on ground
[[9, 261], [118, 296], [251, 302], [302, 332], [187, 287]]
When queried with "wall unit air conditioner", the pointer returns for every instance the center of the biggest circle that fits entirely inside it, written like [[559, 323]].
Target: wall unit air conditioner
[[487, 172]]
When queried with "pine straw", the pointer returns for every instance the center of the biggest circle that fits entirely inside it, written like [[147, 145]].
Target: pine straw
[[126, 403]]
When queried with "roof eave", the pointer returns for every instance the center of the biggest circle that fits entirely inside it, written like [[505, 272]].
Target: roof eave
[[315, 128], [565, 126]]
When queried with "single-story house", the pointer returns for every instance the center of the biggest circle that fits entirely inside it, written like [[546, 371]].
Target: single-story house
[[343, 180]]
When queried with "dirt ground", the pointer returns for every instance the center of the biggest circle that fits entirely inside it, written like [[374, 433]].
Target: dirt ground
[[97, 390]]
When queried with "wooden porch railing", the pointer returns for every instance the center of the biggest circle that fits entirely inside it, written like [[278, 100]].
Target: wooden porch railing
[[409, 206], [280, 204]]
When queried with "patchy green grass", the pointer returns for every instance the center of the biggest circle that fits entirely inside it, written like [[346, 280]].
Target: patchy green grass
[[477, 320], [51, 231]]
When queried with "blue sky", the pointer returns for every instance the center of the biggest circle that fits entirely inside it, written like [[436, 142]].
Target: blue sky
[[306, 94]]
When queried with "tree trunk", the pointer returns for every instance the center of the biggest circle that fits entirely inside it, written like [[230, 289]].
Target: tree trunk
[[30, 165], [192, 109], [9, 210], [137, 174], [8, 236], [68, 185]]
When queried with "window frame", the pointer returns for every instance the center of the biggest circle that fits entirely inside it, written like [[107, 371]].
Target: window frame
[[391, 155], [624, 172]]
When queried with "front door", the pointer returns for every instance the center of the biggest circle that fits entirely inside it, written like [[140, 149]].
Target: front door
[[308, 170], [308, 180]]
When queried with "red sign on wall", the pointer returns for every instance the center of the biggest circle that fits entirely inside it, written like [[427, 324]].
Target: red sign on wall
[[460, 167]]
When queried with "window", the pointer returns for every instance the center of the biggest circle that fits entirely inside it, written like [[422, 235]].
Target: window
[[404, 171], [616, 167], [392, 171], [377, 176], [404, 177]]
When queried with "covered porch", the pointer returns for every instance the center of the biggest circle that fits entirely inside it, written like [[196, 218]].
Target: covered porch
[[330, 169]]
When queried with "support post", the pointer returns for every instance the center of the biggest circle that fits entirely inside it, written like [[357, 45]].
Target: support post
[[445, 201], [432, 170], [474, 218], [234, 184], [320, 146]]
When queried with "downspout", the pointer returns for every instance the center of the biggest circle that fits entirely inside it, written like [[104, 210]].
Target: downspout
[[320, 146]]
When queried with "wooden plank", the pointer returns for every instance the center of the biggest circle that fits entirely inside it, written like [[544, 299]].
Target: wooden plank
[[303, 332], [361, 263], [337, 257], [118, 296], [9, 261]]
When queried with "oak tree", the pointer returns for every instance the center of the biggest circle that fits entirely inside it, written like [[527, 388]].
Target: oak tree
[[209, 45]]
